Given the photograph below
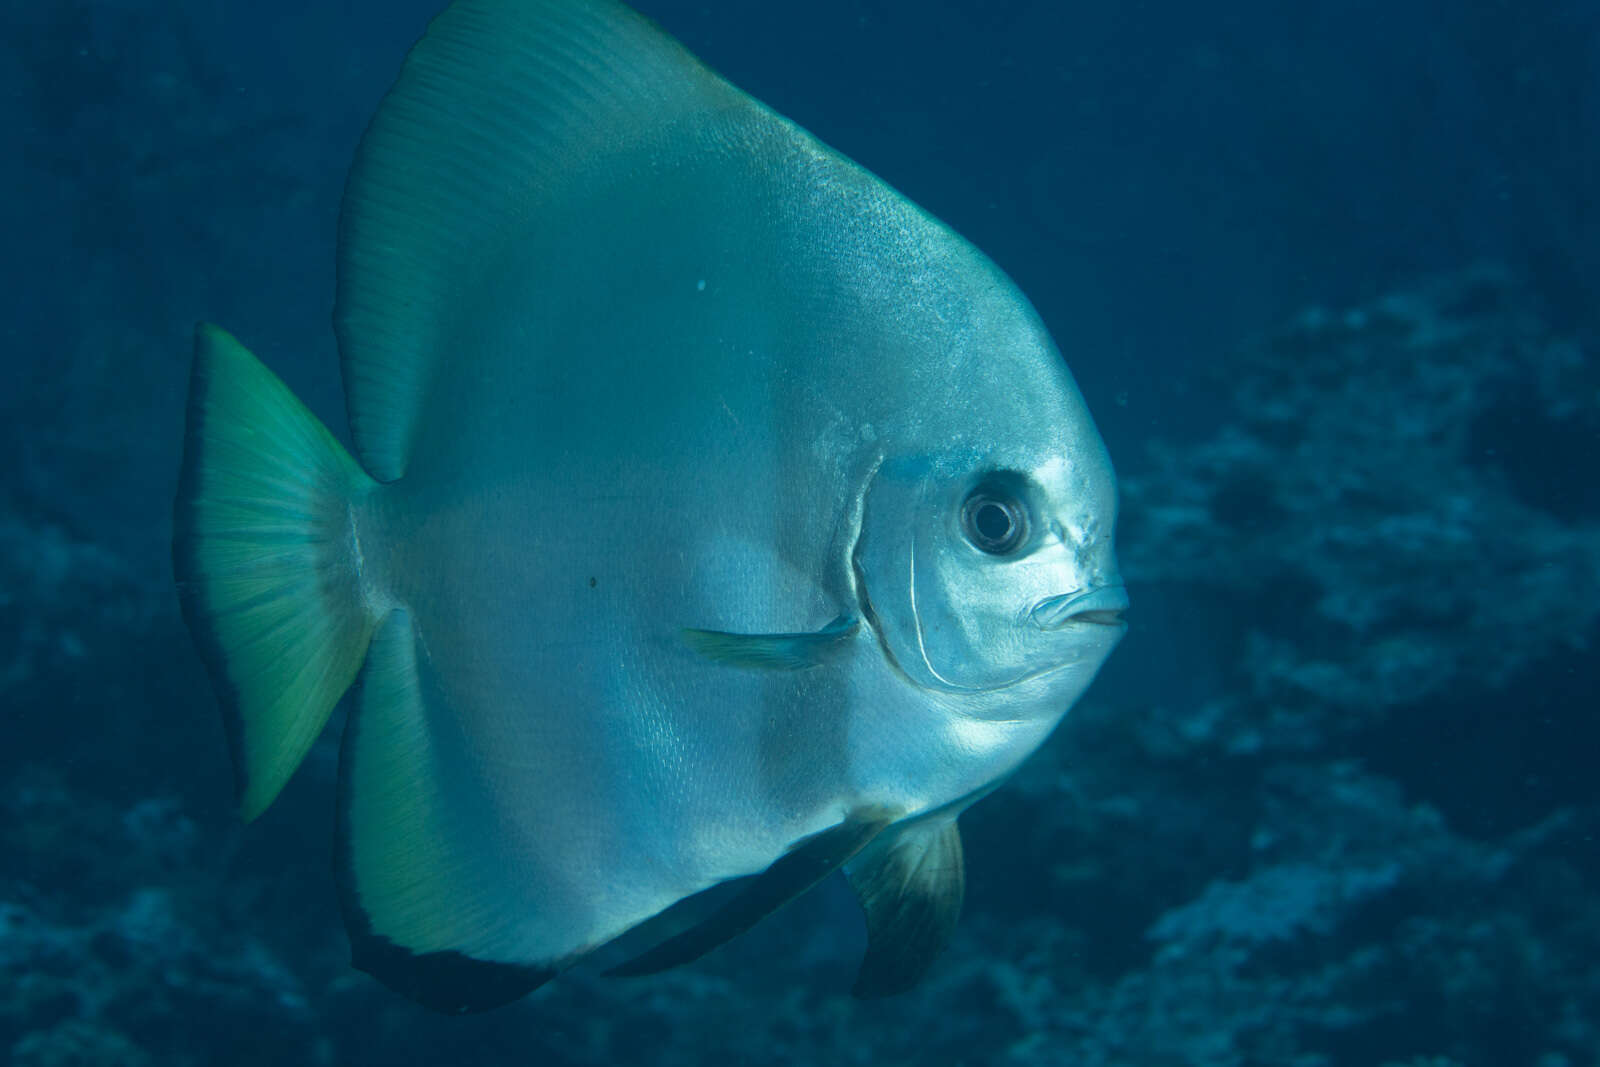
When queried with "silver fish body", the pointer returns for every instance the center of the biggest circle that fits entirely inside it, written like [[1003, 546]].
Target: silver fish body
[[723, 516]]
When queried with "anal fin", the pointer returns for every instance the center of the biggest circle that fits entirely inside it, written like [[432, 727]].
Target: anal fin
[[910, 887], [808, 862], [431, 903]]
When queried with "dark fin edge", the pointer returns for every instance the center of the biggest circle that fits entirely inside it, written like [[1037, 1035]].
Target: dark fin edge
[[806, 863], [451, 982], [186, 564], [447, 982]]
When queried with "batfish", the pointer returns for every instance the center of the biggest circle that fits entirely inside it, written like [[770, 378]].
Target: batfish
[[718, 519]]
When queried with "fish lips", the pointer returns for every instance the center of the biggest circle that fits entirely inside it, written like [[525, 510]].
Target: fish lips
[[1101, 605]]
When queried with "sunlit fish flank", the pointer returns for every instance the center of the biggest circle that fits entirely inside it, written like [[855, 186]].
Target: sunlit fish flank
[[720, 520]]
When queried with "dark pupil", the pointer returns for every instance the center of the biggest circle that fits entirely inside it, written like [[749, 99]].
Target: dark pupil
[[993, 522]]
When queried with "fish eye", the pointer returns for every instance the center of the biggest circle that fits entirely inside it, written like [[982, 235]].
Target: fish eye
[[994, 520]]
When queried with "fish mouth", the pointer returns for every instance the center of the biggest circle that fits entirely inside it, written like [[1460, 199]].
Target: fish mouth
[[1101, 605]]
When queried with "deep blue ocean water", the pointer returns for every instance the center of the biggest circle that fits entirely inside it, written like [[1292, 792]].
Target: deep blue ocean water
[[1327, 276]]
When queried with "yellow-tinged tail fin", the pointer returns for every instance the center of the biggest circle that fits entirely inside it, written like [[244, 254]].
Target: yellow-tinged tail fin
[[264, 553]]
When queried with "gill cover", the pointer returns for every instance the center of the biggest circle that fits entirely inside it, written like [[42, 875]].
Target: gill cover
[[962, 602]]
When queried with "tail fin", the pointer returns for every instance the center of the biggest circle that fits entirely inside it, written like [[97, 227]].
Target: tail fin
[[267, 566]]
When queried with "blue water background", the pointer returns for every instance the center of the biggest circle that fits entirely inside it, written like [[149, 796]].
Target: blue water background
[[1167, 182]]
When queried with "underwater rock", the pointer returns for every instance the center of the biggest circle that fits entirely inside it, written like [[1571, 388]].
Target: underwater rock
[[75, 1043], [1361, 930], [1402, 502], [98, 965], [143, 980]]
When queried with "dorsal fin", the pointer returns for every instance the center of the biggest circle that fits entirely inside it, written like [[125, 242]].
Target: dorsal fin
[[498, 109]]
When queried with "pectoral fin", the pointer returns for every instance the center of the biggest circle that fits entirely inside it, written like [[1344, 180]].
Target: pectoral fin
[[782, 652], [803, 866], [910, 887]]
